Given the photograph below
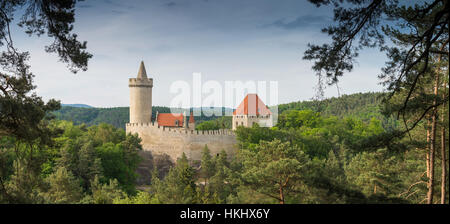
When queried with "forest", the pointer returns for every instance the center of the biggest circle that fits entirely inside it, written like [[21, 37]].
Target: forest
[[309, 157], [362, 105], [389, 147]]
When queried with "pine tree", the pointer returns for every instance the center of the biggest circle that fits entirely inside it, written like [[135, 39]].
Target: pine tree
[[273, 169], [64, 188], [106, 193], [178, 187], [207, 165]]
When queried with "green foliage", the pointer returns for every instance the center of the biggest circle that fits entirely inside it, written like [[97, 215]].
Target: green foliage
[[63, 188], [363, 106], [412, 76], [106, 193], [219, 182], [94, 116], [273, 169], [216, 124], [207, 164], [66, 170], [80, 159], [309, 157], [299, 118], [23, 114], [339, 150], [141, 197], [333, 149], [24, 185], [178, 187], [374, 172]]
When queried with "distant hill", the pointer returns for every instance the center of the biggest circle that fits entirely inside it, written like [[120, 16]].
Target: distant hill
[[77, 105], [356, 104], [363, 106], [117, 116], [360, 105]]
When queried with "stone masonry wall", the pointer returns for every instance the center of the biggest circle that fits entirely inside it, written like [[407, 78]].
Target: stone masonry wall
[[173, 142]]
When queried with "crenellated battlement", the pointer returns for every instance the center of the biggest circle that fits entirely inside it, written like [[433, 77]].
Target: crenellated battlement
[[176, 141], [138, 82], [182, 131]]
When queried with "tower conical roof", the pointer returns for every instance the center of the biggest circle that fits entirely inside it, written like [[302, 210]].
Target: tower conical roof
[[191, 118], [142, 74]]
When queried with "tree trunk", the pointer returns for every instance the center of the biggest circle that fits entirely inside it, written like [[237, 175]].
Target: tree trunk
[[430, 193], [432, 154], [281, 195], [428, 150], [443, 154], [444, 166]]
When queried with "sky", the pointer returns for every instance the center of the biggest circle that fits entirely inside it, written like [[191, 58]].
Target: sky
[[246, 40]]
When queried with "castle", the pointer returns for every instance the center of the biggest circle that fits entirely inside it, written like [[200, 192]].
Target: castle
[[252, 110], [173, 134]]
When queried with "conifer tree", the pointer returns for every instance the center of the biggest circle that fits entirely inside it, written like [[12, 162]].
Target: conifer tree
[[207, 164], [178, 187], [64, 188], [419, 34], [273, 169]]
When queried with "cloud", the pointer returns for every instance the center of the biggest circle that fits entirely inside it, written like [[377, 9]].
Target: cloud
[[300, 22], [170, 4], [119, 4], [224, 40], [85, 6], [117, 12]]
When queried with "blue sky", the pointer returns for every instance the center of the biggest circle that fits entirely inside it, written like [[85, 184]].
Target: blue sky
[[261, 40]]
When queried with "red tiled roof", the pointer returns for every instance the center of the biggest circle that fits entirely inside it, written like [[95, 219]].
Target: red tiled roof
[[169, 120], [252, 105], [191, 118]]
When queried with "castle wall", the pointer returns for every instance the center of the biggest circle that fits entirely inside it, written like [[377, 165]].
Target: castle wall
[[173, 142], [239, 120], [249, 120]]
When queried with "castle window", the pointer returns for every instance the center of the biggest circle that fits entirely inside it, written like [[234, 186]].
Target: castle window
[[237, 123], [176, 123]]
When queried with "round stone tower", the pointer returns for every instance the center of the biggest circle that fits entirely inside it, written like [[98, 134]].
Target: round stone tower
[[141, 97]]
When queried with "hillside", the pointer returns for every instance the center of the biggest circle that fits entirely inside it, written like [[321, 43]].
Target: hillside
[[117, 116], [77, 105], [361, 105], [92, 116]]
